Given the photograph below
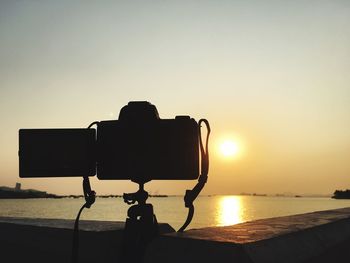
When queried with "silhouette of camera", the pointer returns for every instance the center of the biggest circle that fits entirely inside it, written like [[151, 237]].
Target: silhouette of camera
[[139, 146]]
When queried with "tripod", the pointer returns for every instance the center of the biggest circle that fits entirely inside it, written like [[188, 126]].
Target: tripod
[[141, 226]]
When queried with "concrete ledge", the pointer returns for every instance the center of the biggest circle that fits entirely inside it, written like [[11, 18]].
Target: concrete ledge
[[50, 240], [312, 237]]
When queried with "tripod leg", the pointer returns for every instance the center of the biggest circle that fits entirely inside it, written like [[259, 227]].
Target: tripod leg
[[131, 250], [140, 229]]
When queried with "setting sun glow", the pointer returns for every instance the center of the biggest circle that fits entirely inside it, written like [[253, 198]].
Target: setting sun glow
[[229, 148]]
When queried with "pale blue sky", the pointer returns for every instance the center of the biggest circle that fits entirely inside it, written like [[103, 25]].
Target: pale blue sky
[[275, 74]]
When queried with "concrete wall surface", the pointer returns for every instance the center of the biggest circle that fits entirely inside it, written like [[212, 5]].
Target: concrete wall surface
[[50, 240], [314, 237]]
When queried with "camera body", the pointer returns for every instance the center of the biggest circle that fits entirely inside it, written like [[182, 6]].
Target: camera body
[[139, 146]]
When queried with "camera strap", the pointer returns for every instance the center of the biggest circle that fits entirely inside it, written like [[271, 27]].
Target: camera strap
[[191, 195], [90, 196]]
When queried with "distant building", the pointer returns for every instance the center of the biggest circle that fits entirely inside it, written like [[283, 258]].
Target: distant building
[[18, 187]]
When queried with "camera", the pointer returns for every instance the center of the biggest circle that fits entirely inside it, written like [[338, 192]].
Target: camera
[[139, 146]]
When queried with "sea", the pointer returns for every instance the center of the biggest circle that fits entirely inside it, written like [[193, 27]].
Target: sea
[[216, 210]]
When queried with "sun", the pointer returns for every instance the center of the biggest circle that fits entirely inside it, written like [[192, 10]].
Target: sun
[[229, 148]]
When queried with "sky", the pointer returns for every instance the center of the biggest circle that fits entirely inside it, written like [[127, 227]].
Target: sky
[[273, 76]]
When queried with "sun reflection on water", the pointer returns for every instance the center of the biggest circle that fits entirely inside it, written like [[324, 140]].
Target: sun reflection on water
[[230, 211]]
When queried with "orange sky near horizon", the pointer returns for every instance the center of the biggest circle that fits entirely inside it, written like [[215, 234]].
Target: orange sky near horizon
[[271, 76]]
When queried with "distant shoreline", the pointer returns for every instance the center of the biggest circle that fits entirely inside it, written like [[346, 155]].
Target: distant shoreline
[[339, 194], [24, 194], [34, 195], [10, 193], [13, 193]]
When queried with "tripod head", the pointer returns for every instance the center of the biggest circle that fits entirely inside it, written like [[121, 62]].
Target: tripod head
[[141, 226], [140, 196]]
